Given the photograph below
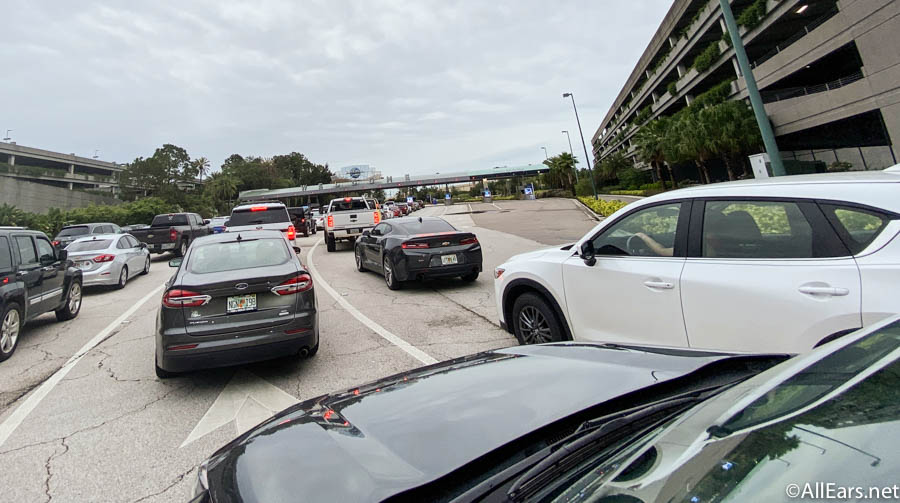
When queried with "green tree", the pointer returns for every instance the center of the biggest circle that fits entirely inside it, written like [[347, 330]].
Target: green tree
[[687, 139], [732, 132], [159, 174], [649, 141], [201, 164], [562, 171]]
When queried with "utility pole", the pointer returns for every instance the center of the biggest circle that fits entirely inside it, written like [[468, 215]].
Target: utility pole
[[759, 109]]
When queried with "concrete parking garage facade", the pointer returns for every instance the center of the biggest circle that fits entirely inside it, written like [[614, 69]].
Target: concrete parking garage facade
[[828, 72]]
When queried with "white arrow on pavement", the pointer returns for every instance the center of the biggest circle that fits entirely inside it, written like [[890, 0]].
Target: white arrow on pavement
[[247, 400]]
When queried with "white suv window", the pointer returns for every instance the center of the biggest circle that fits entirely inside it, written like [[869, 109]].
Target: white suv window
[[648, 232], [756, 230]]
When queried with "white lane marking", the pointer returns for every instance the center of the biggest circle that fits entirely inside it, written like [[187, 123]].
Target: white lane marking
[[470, 207], [495, 206], [247, 400], [15, 419], [411, 350]]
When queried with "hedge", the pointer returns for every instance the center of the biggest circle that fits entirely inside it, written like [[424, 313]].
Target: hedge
[[137, 212], [705, 59], [753, 14], [672, 88], [601, 207]]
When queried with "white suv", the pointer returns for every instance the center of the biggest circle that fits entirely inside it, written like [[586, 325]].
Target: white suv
[[775, 265], [262, 216]]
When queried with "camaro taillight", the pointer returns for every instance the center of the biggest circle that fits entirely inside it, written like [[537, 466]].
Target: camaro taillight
[[173, 234], [468, 241], [377, 216], [184, 298], [498, 272], [330, 221], [414, 245], [297, 284], [291, 233], [104, 258]]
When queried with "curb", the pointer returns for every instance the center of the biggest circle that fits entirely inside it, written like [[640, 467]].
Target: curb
[[587, 211]]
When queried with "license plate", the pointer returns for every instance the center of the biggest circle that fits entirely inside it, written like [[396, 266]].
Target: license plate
[[352, 231], [448, 259], [241, 303], [149, 236]]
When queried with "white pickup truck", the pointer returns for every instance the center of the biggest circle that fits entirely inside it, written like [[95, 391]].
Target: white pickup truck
[[346, 218]]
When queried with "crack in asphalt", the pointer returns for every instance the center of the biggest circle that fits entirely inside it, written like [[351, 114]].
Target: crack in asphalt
[[109, 370], [476, 313], [50, 459], [177, 481]]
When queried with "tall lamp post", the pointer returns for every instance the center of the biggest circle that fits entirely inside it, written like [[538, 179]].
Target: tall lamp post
[[545, 153], [583, 144], [762, 120], [7, 138], [572, 153]]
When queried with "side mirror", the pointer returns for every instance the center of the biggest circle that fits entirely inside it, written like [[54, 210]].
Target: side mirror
[[175, 262], [297, 250], [63, 255], [206, 221], [586, 252], [142, 245], [47, 260], [367, 232]]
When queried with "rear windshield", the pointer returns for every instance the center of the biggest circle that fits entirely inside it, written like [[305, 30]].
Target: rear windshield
[[92, 245], [73, 231], [271, 215], [427, 227], [233, 255], [218, 221], [169, 220], [353, 204]]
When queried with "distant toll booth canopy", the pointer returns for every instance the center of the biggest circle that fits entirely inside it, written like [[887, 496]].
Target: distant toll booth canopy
[[394, 183]]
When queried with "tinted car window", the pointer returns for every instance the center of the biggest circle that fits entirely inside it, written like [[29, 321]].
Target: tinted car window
[[45, 250], [133, 242], [90, 245], [353, 204], [169, 220], [857, 227], [81, 230], [271, 215], [246, 254], [26, 250], [5, 255], [648, 232], [427, 227], [756, 229], [122, 244]]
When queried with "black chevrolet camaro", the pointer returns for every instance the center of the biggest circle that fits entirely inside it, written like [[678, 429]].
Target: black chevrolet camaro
[[418, 248], [575, 422]]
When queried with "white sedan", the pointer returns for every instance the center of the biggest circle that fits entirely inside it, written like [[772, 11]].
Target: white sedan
[[109, 259], [771, 265]]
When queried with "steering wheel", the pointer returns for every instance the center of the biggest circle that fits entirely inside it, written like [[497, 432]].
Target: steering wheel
[[631, 250]]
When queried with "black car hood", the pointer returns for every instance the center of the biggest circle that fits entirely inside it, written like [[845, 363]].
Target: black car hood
[[373, 442]]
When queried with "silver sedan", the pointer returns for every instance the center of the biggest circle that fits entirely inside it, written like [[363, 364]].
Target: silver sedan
[[109, 259]]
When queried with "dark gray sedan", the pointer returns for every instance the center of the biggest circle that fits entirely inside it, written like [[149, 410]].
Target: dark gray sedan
[[236, 298]]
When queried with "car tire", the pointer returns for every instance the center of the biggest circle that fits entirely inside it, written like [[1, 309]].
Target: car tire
[[389, 276], [146, 266], [329, 242], [534, 321], [10, 330], [312, 351], [123, 278], [306, 232], [468, 278], [357, 253], [73, 303], [314, 229], [163, 374], [182, 248]]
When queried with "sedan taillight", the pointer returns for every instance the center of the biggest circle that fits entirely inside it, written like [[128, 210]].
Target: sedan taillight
[[104, 258], [184, 298], [468, 241], [297, 284], [291, 233]]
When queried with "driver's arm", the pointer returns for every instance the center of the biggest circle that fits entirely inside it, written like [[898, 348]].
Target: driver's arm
[[657, 248]]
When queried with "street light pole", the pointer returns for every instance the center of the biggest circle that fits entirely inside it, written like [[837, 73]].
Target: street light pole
[[583, 144], [759, 109], [572, 153], [7, 138], [545, 153]]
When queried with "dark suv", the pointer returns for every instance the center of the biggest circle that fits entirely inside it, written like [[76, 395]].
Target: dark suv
[[302, 218], [35, 278]]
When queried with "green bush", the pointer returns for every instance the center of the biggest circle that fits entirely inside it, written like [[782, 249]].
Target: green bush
[[727, 39], [672, 88], [705, 59], [540, 194], [643, 115], [715, 95], [632, 179], [626, 192], [601, 207], [138, 212], [753, 14]]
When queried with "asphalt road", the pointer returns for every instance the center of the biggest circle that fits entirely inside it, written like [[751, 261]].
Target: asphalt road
[[83, 417]]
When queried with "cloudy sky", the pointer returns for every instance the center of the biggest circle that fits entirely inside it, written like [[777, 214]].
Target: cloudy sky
[[410, 86]]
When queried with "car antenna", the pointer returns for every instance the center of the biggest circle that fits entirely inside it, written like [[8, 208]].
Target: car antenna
[[420, 219], [239, 238]]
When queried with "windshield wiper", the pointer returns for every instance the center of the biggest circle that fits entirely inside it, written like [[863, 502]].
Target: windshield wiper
[[601, 433]]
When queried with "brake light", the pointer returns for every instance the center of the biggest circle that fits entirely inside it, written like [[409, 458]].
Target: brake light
[[184, 298], [498, 272], [377, 217], [55, 243], [5, 281], [414, 245], [104, 258], [347, 199], [302, 220], [258, 208], [469, 241], [330, 221], [173, 234], [297, 284], [291, 233]]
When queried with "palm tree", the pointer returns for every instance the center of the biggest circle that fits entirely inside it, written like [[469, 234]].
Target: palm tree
[[687, 139], [650, 140], [201, 164], [732, 131]]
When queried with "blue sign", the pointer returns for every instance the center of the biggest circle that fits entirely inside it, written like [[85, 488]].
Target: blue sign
[[355, 172], [409, 199], [446, 196], [487, 193], [528, 190]]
